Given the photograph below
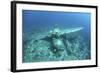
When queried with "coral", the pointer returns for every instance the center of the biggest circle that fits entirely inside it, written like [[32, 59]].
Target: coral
[[59, 48]]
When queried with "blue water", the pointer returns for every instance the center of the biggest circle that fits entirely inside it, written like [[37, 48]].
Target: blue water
[[35, 20], [47, 18]]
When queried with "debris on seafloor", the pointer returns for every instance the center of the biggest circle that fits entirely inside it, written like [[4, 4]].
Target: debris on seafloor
[[59, 45]]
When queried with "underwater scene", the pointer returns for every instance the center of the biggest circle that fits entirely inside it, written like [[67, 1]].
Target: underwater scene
[[55, 36]]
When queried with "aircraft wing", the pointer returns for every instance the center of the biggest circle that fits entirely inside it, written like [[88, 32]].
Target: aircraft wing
[[72, 30]]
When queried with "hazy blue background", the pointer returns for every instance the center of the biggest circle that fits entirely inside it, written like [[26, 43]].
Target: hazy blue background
[[36, 20]]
